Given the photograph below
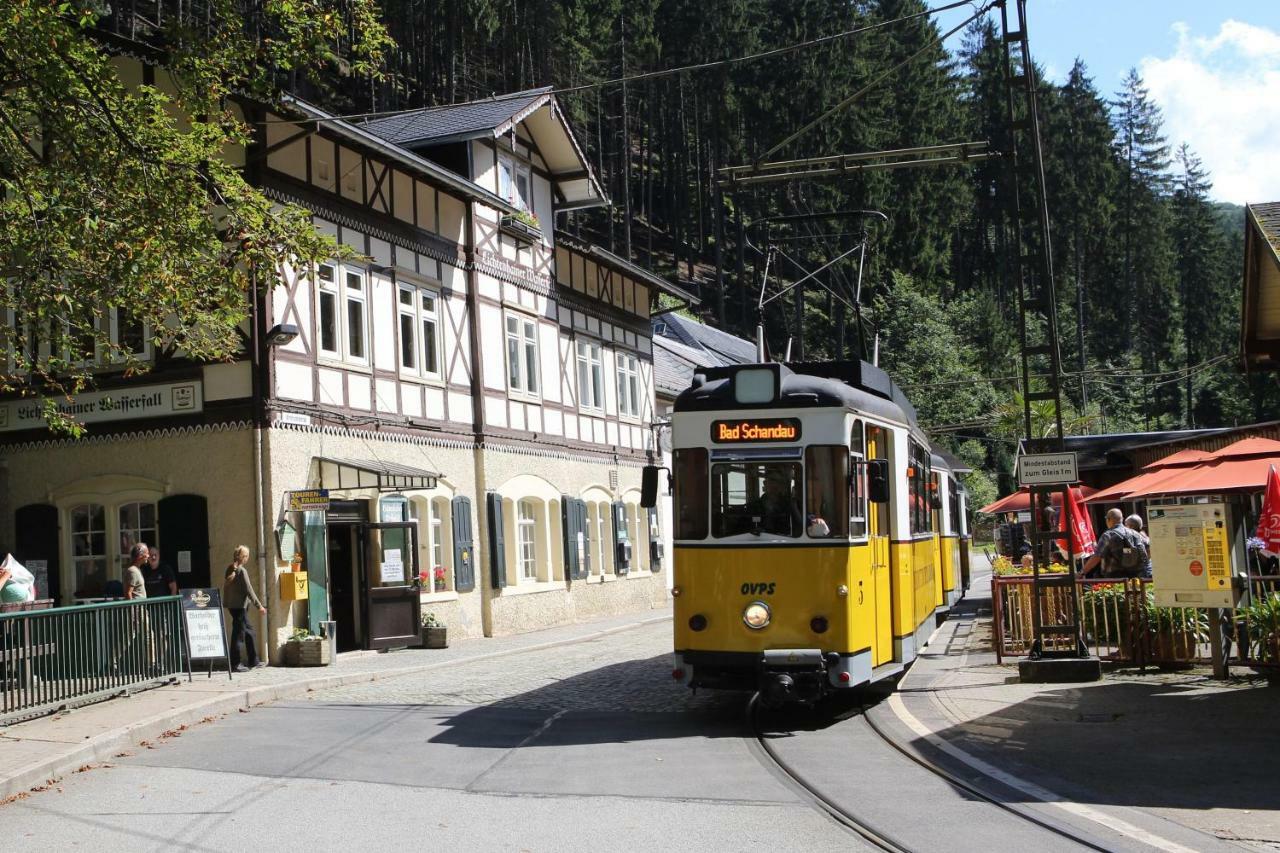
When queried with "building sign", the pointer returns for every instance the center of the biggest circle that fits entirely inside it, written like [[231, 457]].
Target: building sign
[[1047, 469], [392, 567], [309, 500], [755, 430], [121, 404], [202, 612]]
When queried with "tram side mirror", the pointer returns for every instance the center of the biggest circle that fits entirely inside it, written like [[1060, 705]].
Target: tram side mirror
[[649, 486], [878, 481]]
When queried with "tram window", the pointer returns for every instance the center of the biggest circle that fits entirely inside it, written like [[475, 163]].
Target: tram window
[[756, 497], [857, 483], [691, 493], [918, 478], [826, 491]]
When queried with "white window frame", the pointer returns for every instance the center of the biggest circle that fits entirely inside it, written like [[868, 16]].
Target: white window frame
[[344, 296], [419, 316], [628, 369], [91, 558], [113, 330], [526, 541], [514, 171], [526, 364], [591, 384]]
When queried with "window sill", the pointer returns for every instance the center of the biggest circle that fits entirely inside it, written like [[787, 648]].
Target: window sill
[[434, 381], [443, 595], [339, 364], [531, 587], [523, 396]]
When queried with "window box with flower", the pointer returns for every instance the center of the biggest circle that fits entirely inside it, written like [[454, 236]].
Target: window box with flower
[[523, 225]]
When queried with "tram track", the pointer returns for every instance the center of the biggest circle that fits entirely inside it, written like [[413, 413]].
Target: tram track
[[872, 832]]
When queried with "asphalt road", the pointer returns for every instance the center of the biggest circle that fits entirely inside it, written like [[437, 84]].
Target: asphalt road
[[586, 747]]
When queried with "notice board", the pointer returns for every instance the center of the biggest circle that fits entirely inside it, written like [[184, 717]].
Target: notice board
[[204, 629]]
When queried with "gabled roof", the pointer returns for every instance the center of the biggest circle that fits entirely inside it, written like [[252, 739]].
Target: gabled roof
[[536, 109], [358, 136], [677, 352], [724, 347], [1260, 318], [455, 122]]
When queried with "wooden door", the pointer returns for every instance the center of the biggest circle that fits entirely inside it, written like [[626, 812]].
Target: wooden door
[[392, 605]]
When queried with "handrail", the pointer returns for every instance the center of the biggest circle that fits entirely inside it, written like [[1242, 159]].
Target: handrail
[[63, 657]]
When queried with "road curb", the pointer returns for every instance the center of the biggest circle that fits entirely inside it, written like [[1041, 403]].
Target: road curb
[[103, 747]]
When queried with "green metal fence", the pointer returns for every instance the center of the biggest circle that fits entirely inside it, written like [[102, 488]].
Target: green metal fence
[[67, 656]]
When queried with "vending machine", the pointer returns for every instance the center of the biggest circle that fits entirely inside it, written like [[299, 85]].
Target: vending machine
[[1197, 552]]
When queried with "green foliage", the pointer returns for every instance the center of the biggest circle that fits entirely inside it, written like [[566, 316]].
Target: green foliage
[[120, 201]]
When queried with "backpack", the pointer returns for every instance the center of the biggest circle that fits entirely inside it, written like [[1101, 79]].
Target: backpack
[[1133, 554]]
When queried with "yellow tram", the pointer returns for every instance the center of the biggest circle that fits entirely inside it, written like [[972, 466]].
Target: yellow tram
[[815, 542]]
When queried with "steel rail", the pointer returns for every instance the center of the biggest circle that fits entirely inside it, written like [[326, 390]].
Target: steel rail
[[957, 782], [825, 804]]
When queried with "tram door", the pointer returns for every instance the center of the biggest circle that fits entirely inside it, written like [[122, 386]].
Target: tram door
[[878, 535]]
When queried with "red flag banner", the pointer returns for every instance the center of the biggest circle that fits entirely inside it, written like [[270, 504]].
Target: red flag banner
[[1083, 540], [1269, 521]]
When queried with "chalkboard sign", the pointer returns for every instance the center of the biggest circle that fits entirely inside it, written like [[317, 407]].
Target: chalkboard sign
[[205, 631]]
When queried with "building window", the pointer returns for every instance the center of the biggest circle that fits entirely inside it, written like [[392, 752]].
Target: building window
[[343, 315], [437, 544], [514, 183], [419, 331], [137, 524], [522, 354], [355, 297], [628, 385], [129, 333], [89, 549], [590, 375], [527, 541]]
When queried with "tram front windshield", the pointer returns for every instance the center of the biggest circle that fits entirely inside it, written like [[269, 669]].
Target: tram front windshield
[[756, 497]]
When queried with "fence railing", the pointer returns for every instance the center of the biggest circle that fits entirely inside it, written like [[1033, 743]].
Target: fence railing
[[1120, 622], [67, 656]]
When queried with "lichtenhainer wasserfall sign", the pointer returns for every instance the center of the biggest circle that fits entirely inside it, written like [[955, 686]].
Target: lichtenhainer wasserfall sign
[[148, 401]]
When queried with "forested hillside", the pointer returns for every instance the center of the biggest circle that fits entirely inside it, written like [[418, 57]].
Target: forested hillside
[[1147, 266]]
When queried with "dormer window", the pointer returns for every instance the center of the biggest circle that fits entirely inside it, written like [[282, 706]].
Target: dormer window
[[514, 183]]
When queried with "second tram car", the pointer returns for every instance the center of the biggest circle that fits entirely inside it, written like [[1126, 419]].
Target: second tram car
[[817, 537]]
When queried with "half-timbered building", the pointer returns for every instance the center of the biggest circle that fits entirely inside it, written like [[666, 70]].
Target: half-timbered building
[[474, 393]]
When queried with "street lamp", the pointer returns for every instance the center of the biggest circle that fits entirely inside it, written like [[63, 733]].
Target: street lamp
[[281, 334]]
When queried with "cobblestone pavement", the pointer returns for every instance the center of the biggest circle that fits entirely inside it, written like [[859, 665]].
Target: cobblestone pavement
[[627, 671]]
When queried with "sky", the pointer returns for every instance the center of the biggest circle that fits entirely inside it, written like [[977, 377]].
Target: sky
[[1213, 66]]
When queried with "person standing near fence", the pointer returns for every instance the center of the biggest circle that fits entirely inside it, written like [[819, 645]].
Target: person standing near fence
[[1121, 551], [1134, 523], [237, 593]]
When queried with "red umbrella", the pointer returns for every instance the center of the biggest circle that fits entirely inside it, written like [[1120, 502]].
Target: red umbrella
[[1269, 521], [1156, 473], [1083, 539], [1246, 447], [1020, 501]]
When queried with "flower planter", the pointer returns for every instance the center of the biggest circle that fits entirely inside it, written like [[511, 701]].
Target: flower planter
[[313, 651], [522, 231], [435, 638]]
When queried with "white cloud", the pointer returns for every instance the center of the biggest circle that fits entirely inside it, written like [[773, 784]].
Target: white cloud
[[1220, 95]]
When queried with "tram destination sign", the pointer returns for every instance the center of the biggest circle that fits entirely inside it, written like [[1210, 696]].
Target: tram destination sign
[[755, 430], [1048, 469]]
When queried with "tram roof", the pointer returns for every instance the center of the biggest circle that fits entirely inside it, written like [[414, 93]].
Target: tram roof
[[857, 385]]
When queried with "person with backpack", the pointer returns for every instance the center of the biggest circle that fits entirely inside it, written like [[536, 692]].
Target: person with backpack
[[1121, 551]]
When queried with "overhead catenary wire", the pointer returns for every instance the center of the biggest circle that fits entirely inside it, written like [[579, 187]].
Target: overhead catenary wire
[[665, 72]]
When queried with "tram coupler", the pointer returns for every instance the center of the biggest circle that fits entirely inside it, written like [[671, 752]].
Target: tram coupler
[[791, 675]]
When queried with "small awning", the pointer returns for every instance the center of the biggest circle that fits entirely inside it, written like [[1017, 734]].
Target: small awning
[[339, 474]]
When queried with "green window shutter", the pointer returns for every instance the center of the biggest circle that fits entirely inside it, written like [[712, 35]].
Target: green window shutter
[[655, 541], [183, 525], [621, 540], [569, 529], [464, 569], [497, 541], [36, 538]]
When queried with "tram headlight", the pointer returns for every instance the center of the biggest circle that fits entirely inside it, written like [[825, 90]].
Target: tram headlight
[[756, 615]]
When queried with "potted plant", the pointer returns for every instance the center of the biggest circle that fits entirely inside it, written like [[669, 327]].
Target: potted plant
[[434, 632], [438, 579], [306, 649], [1262, 616]]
